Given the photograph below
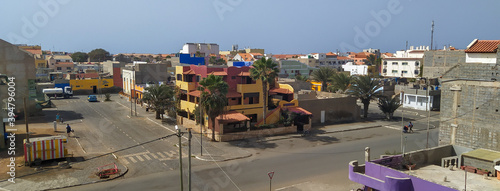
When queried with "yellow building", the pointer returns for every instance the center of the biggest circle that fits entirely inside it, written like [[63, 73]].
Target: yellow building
[[37, 54], [91, 85], [316, 86], [245, 98]]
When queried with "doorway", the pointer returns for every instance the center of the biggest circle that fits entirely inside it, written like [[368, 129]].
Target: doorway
[[94, 89]]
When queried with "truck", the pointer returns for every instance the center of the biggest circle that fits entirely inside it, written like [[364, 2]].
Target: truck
[[65, 92]]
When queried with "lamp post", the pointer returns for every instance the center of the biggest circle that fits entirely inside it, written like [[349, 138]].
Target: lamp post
[[135, 95], [179, 134]]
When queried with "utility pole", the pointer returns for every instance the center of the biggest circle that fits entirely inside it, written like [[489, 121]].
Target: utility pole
[[179, 134], [201, 126], [135, 97], [131, 84], [432, 34], [27, 133], [402, 117], [428, 112], [189, 159]]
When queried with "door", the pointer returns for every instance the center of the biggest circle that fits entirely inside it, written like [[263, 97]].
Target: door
[[94, 89]]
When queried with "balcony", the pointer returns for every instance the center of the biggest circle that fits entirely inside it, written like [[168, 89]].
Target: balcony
[[189, 86], [245, 88]]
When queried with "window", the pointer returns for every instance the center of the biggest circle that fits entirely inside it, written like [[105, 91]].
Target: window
[[416, 71], [417, 63], [59, 68], [394, 63], [198, 78], [68, 68], [233, 77], [404, 63], [77, 86], [404, 72], [394, 71], [384, 71], [385, 62], [179, 77], [251, 98]]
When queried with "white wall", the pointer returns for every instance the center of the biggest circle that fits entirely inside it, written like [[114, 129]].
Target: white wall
[[399, 67], [355, 69], [419, 102], [487, 58], [127, 76], [207, 49]]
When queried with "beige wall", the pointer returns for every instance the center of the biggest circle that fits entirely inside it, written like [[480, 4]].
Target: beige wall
[[336, 109]]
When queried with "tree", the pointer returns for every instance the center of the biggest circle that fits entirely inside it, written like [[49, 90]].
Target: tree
[[213, 98], [267, 71], [323, 75], [366, 89], [216, 61], [389, 105], [122, 58], [79, 57], [372, 59], [159, 98], [99, 55], [341, 81], [301, 78]]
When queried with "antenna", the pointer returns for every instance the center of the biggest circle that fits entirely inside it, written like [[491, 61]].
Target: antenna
[[406, 45], [432, 33]]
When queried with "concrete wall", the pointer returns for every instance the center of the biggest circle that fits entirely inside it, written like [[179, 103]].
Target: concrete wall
[[470, 114], [437, 62], [335, 109], [15, 62]]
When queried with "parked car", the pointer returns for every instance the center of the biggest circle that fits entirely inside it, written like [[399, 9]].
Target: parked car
[[92, 98]]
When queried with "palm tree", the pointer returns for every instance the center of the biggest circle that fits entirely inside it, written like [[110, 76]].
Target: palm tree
[[214, 101], [301, 78], [267, 71], [159, 98], [366, 89], [341, 81], [323, 75], [389, 105]]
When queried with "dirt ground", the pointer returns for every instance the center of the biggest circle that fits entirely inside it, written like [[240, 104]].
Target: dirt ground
[[38, 128]]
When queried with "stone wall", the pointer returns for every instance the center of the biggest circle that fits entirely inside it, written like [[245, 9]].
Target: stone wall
[[437, 62], [470, 114]]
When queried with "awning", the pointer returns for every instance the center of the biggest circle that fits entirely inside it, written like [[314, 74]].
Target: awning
[[196, 93], [244, 74], [218, 73], [298, 110], [232, 117], [188, 72], [279, 91]]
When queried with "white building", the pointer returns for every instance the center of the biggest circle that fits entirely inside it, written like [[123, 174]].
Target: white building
[[482, 51], [204, 49], [355, 69], [405, 63]]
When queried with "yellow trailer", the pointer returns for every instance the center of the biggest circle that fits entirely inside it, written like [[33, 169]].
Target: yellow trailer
[[45, 148]]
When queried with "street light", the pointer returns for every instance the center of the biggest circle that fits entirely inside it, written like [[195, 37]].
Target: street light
[[179, 134]]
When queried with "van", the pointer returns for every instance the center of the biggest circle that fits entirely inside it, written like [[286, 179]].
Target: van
[[92, 98]]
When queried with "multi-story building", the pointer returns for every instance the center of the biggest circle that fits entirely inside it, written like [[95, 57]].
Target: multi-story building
[[404, 64], [245, 105], [60, 63], [292, 68], [202, 49], [37, 54], [143, 73]]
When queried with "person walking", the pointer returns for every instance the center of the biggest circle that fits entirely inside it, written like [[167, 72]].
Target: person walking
[[58, 118], [68, 129], [410, 125]]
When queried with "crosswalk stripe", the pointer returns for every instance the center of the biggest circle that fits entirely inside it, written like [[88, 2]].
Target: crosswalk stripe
[[154, 156], [140, 158], [125, 161], [161, 155], [132, 159], [167, 153], [147, 157]]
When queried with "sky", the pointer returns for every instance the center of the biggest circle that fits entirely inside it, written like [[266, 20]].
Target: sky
[[278, 26]]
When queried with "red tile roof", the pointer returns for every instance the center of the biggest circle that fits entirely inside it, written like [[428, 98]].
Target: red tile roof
[[218, 73], [231, 117], [298, 110], [34, 51], [280, 90], [484, 46], [244, 74], [188, 72]]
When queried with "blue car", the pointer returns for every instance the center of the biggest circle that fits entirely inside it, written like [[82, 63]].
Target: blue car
[[92, 98]]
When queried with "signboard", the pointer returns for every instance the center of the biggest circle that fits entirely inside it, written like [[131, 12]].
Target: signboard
[[270, 174]]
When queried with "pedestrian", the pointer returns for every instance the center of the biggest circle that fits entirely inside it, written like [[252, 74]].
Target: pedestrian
[[410, 125], [58, 118], [405, 129], [68, 129], [62, 120]]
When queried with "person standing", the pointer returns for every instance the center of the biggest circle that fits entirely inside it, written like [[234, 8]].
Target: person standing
[[58, 118], [410, 125], [68, 129]]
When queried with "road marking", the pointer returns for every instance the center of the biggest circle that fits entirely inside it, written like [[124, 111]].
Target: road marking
[[147, 157], [154, 156], [167, 153], [140, 158], [166, 127], [80, 146], [135, 154], [292, 186], [161, 155], [125, 161], [132, 159], [393, 127]]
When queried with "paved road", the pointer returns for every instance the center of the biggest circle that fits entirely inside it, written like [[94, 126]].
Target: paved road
[[106, 127], [321, 168]]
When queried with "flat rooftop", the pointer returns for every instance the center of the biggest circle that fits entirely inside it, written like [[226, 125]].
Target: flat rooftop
[[455, 178]]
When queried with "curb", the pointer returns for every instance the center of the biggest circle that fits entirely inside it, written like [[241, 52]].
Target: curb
[[354, 129], [92, 182], [223, 160]]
